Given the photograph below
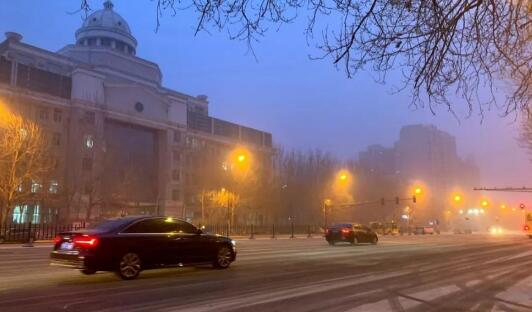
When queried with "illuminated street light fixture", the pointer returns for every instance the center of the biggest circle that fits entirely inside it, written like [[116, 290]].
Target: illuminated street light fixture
[[457, 198], [503, 206], [418, 191], [484, 203], [241, 158]]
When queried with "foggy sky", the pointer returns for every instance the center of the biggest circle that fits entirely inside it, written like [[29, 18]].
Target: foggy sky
[[304, 103]]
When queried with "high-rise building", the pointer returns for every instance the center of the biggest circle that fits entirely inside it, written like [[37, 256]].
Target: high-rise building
[[122, 142]]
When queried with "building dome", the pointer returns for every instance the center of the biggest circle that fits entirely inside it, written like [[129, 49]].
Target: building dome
[[106, 28]]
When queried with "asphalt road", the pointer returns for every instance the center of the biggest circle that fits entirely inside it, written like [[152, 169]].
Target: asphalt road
[[428, 273]]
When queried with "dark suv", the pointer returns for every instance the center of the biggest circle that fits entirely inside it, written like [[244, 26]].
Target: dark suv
[[131, 244], [351, 233]]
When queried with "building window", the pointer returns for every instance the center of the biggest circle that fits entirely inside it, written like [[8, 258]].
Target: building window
[[36, 214], [88, 141], [90, 118], [43, 113], [106, 42], [56, 139], [35, 186], [176, 175], [20, 214], [177, 136], [177, 157], [54, 187], [86, 164], [58, 115], [176, 195]]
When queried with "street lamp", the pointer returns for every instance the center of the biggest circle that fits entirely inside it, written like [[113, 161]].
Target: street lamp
[[418, 190], [457, 198], [484, 203]]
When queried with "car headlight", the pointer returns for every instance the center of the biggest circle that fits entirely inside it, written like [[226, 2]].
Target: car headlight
[[233, 242]]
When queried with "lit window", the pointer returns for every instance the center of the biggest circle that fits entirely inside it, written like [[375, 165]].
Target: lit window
[[36, 214], [20, 214], [20, 188], [88, 141], [17, 214], [35, 187], [54, 186]]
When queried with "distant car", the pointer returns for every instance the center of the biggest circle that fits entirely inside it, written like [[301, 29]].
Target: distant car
[[496, 230], [131, 244], [422, 230], [350, 233]]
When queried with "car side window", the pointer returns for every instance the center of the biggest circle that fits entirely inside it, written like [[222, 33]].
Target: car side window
[[185, 227], [151, 226]]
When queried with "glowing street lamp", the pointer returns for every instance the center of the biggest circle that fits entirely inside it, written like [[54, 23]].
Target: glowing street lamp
[[484, 203], [418, 191], [241, 158]]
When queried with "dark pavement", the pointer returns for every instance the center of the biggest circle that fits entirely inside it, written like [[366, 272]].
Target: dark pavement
[[417, 273]]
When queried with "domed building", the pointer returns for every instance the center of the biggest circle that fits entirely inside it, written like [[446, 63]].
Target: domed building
[[107, 28], [121, 142]]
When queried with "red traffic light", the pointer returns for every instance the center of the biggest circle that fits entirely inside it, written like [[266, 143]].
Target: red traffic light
[[522, 206]]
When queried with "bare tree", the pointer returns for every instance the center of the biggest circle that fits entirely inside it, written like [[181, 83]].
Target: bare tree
[[444, 49], [23, 161]]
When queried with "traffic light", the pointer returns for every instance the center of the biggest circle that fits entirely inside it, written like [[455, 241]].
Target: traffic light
[[522, 206], [397, 200], [414, 199], [382, 201]]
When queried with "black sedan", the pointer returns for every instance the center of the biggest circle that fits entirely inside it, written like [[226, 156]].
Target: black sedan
[[131, 244], [351, 233]]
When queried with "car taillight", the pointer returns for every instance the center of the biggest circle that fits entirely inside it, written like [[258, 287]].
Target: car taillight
[[346, 231], [58, 239], [86, 241], [526, 228]]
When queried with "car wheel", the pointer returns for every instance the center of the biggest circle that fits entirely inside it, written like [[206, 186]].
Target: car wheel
[[355, 241], [332, 243], [224, 256], [88, 271], [374, 240], [130, 266]]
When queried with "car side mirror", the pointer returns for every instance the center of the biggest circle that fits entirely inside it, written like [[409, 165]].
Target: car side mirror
[[199, 231]]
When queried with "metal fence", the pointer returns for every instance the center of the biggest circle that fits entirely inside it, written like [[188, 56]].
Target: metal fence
[[290, 230], [28, 232]]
